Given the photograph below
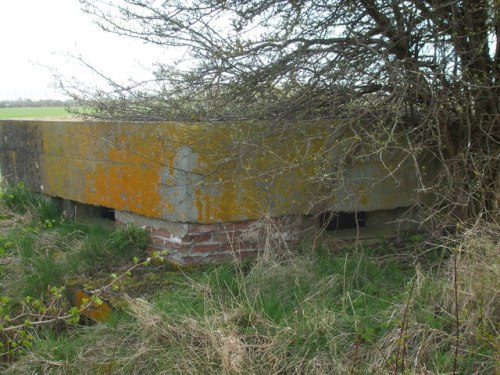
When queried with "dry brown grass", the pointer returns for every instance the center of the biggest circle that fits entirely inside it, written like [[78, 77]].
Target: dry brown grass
[[233, 336], [474, 260]]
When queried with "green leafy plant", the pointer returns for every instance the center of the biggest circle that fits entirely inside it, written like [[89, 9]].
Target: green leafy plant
[[20, 319], [130, 238], [17, 197]]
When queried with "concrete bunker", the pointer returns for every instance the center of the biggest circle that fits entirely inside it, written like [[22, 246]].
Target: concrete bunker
[[200, 189]]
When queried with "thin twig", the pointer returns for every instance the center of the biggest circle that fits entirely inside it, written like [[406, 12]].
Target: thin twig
[[457, 322], [355, 359], [404, 326]]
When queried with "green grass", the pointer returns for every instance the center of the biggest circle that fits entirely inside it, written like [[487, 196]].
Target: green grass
[[317, 313], [48, 250], [361, 310], [29, 112]]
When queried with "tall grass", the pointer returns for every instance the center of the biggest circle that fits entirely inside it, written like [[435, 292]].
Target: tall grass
[[390, 308], [40, 254], [46, 251], [370, 310]]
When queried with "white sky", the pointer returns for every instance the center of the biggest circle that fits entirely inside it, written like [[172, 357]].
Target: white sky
[[37, 35]]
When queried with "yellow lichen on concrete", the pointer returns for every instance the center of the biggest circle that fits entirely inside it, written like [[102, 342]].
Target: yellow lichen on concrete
[[201, 172]]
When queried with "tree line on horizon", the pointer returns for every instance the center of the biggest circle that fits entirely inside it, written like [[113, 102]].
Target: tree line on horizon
[[35, 103]]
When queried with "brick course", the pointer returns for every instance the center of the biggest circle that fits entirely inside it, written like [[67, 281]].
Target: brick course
[[203, 243], [194, 243]]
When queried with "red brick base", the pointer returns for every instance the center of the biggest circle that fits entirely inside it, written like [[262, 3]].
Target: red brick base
[[192, 243], [204, 243]]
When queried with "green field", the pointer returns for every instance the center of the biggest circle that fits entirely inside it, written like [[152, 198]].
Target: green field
[[28, 112]]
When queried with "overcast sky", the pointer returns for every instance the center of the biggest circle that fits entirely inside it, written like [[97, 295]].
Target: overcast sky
[[37, 35]]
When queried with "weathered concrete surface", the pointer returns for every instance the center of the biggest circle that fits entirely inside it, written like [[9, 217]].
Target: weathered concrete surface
[[202, 173], [20, 151]]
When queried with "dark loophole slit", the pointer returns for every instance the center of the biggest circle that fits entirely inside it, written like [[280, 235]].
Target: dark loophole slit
[[333, 221], [107, 213]]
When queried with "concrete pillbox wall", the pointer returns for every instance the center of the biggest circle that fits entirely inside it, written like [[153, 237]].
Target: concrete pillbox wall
[[194, 185]]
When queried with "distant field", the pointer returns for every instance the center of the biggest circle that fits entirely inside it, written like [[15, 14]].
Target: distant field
[[25, 112]]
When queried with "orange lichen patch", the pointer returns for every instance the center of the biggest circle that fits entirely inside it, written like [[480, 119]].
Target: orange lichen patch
[[268, 179], [97, 311], [61, 177], [204, 173], [13, 157], [127, 187], [84, 142], [363, 199], [130, 177], [226, 207], [146, 150]]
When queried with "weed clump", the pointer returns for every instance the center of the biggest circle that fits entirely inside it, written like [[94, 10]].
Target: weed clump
[[39, 253], [18, 199]]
